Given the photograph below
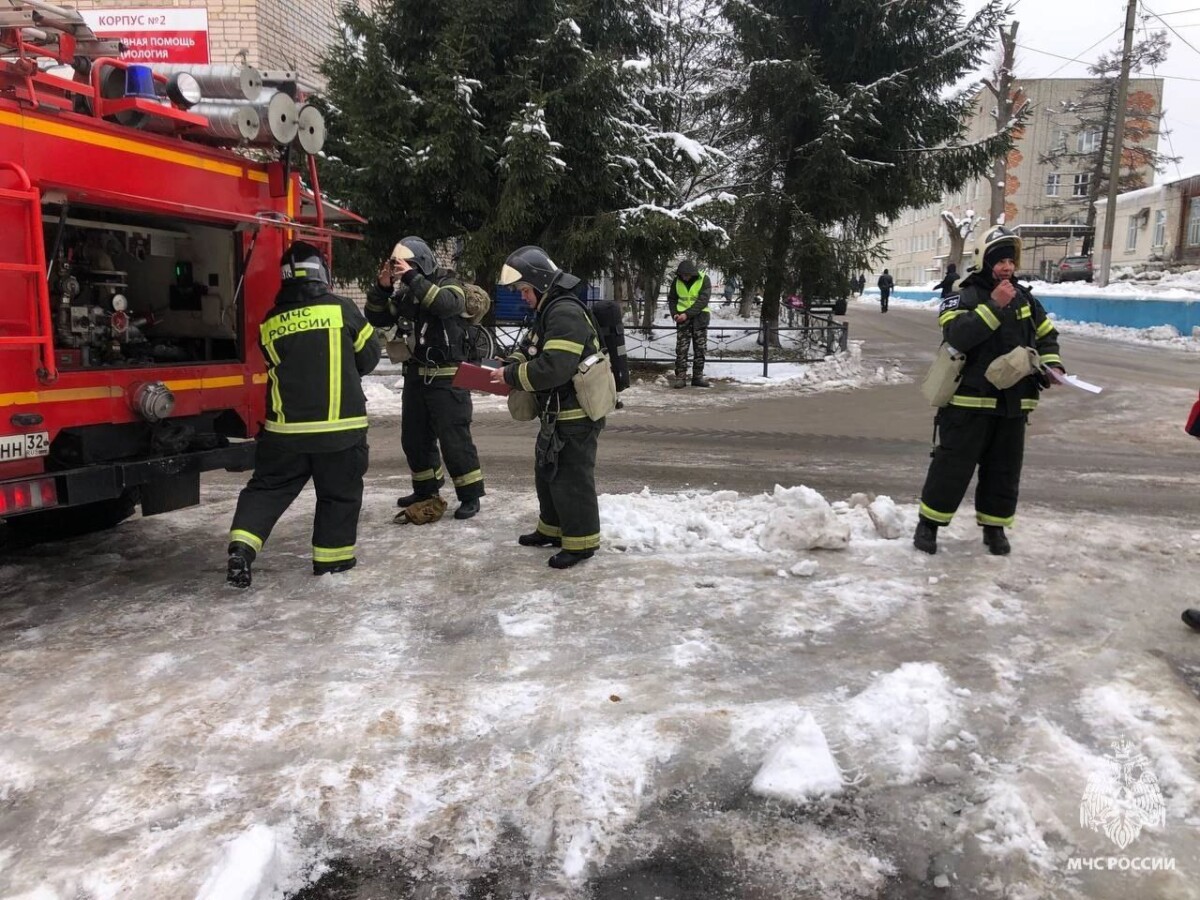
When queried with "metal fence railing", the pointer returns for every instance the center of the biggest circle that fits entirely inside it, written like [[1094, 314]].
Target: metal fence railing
[[816, 337]]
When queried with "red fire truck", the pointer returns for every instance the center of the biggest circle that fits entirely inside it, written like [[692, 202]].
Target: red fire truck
[[138, 253]]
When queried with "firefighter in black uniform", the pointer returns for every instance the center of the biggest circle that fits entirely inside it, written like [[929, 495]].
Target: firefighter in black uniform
[[983, 425], [433, 414], [607, 314], [544, 364], [317, 346]]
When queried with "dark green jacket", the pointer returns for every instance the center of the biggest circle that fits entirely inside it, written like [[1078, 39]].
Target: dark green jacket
[[317, 346], [973, 324], [547, 360], [435, 308]]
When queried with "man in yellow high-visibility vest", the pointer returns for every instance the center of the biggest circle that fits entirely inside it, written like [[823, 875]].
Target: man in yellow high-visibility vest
[[688, 302]]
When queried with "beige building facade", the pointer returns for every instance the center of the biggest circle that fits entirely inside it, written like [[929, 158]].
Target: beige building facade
[[1157, 228], [287, 35], [1040, 190]]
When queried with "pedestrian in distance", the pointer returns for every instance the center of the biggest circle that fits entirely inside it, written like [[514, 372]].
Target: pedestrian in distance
[[435, 418], [731, 286], [317, 347], [992, 320], [688, 304], [886, 283], [544, 365], [947, 284]]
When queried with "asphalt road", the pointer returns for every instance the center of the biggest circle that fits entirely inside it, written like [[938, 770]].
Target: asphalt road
[[1123, 450]]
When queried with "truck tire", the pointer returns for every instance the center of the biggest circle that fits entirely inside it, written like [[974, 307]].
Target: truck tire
[[70, 522]]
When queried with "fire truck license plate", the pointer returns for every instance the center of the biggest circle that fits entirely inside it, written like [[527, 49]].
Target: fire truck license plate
[[24, 446]]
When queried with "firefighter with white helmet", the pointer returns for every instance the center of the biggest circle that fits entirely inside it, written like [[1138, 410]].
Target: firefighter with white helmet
[[435, 421], [1007, 340], [318, 347], [544, 365]]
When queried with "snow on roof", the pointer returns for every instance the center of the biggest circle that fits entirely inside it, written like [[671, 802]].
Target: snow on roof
[[1130, 196]]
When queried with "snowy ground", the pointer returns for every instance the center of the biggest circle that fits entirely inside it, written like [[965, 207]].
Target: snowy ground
[[771, 694]]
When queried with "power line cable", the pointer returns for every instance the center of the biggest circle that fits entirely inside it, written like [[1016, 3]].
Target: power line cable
[[1172, 29], [1163, 113], [1071, 59], [1085, 50]]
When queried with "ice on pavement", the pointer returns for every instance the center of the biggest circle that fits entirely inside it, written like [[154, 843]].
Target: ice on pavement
[[854, 722]]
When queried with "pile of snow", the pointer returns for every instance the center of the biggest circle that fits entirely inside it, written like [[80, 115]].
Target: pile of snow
[[788, 521], [800, 767], [842, 371], [1154, 336], [901, 718]]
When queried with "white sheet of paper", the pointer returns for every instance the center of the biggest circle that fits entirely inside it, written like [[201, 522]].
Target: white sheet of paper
[[1074, 381]]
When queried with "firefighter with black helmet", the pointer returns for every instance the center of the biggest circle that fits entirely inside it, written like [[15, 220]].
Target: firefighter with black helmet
[[544, 365], [999, 326], [318, 347], [435, 420]]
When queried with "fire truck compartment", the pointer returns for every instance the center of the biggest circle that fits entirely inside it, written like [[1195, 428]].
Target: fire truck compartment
[[129, 289]]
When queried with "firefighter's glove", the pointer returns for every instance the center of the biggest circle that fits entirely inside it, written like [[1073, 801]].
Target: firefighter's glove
[[423, 512]]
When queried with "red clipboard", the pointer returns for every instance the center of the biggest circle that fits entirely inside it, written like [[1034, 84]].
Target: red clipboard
[[478, 378]]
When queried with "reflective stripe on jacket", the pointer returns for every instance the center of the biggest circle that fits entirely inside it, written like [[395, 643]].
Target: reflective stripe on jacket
[[317, 346], [973, 325]]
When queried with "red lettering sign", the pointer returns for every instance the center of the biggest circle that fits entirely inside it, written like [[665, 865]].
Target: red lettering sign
[[155, 35]]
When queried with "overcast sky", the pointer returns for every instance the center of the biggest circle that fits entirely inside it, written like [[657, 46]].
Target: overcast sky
[[1082, 29]]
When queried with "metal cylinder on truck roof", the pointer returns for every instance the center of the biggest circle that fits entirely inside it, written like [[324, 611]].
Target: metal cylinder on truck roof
[[219, 81], [230, 122], [280, 117], [312, 129]]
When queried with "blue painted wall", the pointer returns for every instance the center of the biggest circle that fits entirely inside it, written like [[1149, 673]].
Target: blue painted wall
[[1128, 312]]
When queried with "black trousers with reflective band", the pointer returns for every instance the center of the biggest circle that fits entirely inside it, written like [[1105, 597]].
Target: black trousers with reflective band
[[694, 334], [967, 439], [435, 423], [280, 474], [567, 505]]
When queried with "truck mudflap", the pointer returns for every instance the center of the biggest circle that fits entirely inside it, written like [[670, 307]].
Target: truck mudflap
[[164, 483]]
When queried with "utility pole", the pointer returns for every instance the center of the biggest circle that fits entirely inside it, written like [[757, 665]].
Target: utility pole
[[1001, 85], [1118, 147]]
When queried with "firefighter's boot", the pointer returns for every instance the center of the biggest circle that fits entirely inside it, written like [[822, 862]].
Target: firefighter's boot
[[997, 543], [467, 509], [237, 572], [537, 539], [925, 537], [564, 559], [405, 502], [334, 567], [1191, 618]]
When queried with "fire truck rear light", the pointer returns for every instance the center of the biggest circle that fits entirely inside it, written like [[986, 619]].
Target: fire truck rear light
[[23, 496]]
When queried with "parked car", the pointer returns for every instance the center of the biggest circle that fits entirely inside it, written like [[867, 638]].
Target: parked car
[[1073, 268]]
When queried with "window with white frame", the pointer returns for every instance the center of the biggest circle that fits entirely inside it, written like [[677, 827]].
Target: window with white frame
[[1131, 234], [1083, 181], [1052, 182], [1088, 141], [1160, 229], [1193, 228]]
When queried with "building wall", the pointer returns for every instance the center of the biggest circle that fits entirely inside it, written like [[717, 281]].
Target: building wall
[[274, 34], [1138, 240], [918, 244]]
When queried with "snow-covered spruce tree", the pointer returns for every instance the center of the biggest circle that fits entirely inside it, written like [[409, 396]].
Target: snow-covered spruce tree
[[678, 132], [493, 120], [850, 107]]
